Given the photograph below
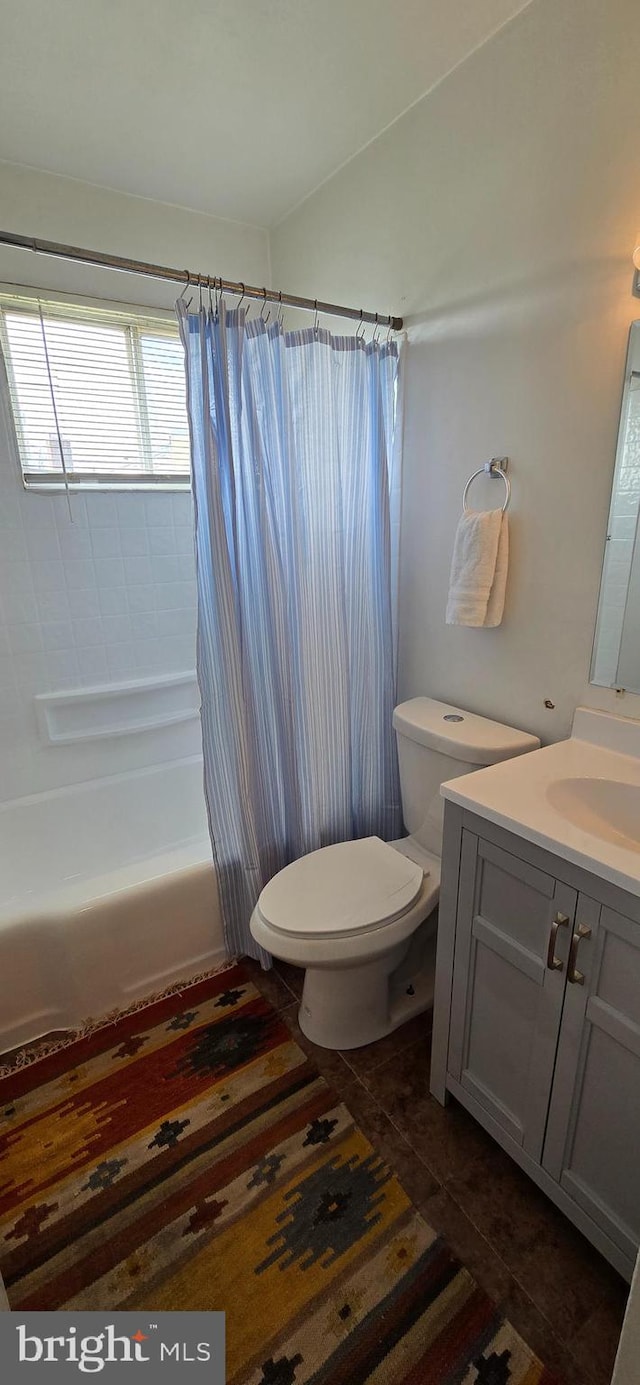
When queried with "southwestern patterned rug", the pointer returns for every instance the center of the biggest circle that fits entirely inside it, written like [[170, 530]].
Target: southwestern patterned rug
[[190, 1156]]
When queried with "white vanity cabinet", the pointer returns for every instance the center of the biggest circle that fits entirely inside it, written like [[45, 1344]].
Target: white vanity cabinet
[[537, 1021]]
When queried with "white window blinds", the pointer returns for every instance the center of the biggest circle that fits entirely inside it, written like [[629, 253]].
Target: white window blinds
[[97, 393]]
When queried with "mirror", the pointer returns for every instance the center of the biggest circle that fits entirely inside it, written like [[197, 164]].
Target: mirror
[[616, 649]]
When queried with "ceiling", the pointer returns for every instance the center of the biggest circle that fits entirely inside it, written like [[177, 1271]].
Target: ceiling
[[239, 108]]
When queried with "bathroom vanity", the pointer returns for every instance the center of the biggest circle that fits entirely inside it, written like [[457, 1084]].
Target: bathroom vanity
[[537, 1002]]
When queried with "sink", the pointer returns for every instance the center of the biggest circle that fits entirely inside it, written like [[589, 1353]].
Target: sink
[[578, 799], [606, 808]]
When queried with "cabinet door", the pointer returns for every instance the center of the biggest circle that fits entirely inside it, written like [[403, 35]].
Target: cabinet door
[[593, 1138], [513, 932]]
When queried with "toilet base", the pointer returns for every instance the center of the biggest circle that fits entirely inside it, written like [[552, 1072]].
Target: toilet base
[[349, 1007]]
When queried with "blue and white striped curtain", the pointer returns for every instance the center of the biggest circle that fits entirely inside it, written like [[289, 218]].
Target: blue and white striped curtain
[[292, 440]]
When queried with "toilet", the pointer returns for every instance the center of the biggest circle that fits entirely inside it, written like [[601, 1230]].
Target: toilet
[[361, 916]]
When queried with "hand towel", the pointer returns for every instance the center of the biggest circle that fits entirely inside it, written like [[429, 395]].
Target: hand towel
[[479, 569], [495, 605]]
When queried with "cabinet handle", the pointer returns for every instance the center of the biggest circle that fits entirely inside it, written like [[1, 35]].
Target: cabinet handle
[[555, 963], [577, 977]]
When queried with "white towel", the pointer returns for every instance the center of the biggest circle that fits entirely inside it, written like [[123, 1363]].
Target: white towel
[[479, 569]]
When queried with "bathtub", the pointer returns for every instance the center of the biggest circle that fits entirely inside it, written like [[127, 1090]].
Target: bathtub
[[107, 895]]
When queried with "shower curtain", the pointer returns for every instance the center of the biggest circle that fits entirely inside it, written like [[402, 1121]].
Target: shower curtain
[[292, 447]]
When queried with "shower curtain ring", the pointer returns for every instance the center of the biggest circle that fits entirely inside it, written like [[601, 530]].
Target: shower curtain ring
[[264, 304], [187, 286], [242, 296], [315, 319]]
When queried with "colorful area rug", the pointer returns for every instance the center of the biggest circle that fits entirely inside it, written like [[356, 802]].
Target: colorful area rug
[[190, 1156]]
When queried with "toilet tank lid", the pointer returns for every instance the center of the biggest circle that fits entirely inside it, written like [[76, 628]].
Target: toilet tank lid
[[460, 734]]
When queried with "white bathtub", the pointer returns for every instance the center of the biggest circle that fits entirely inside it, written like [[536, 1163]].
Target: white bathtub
[[107, 894]]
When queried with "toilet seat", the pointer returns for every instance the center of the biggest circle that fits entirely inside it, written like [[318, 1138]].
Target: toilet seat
[[351, 888]]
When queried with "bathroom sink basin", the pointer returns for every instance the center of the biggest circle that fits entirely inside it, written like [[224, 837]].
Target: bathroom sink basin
[[606, 808], [578, 799]]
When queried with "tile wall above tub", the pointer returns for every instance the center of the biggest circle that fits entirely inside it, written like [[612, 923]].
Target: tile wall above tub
[[99, 596]]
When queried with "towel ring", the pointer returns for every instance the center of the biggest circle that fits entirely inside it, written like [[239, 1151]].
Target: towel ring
[[491, 469]]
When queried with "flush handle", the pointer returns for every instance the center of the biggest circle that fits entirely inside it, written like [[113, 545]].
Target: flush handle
[[577, 977], [559, 921]]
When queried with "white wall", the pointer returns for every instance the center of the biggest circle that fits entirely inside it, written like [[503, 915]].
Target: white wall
[[499, 216], [111, 595]]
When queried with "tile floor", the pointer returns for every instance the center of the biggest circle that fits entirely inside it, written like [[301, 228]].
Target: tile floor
[[559, 1293]]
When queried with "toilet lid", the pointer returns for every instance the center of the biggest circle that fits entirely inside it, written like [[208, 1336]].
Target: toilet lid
[[347, 888]]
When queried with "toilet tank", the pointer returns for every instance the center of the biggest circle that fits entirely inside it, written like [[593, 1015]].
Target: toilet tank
[[437, 742]]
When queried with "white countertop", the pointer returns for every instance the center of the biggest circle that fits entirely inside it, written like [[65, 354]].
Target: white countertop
[[522, 795]]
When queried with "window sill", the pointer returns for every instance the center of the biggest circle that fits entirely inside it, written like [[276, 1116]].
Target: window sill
[[43, 485]]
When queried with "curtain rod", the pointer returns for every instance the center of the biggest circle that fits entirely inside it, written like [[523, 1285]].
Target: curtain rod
[[184, 276]]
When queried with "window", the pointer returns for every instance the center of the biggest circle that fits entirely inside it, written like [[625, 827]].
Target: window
[[97, 394]]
